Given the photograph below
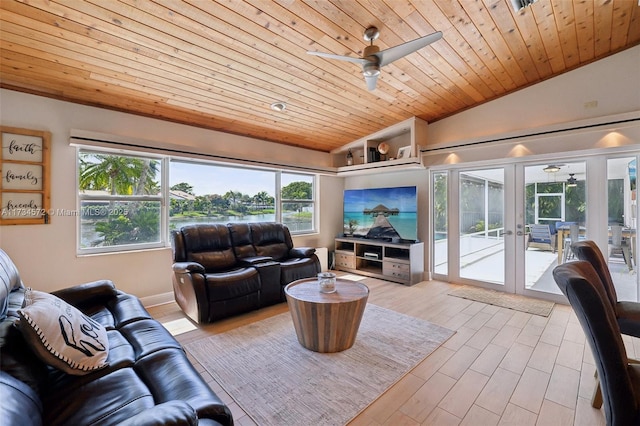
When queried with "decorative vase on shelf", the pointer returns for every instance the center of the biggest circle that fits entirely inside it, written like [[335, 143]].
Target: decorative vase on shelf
[[383, 149], [349, 158]]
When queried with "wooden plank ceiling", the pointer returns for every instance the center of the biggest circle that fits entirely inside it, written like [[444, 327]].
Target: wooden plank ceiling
[[220, 64]]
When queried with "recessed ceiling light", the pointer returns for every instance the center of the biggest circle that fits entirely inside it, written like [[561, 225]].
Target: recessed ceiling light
[[521, 4], [278, 106]]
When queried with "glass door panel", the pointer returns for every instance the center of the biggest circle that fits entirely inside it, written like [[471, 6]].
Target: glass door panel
[[621, 209], [439, 214], [481, 225], [555, 214]]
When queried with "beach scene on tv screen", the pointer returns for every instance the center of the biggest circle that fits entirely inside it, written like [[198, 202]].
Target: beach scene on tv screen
[[381, 213]]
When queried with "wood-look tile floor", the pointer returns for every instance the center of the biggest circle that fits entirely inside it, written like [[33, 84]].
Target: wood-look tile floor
[[502, 367]]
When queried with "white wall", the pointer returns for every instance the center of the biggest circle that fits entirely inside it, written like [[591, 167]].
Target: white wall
[[46, 254], [613, 82]]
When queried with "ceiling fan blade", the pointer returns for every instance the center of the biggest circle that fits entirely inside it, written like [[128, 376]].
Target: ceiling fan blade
[[339, 57], [371, 81], [394, 53]]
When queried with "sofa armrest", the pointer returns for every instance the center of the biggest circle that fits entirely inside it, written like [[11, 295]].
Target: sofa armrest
[[190, 290], [87, 293], [168, 413], [188, 267], [254, 260], [302, 252]]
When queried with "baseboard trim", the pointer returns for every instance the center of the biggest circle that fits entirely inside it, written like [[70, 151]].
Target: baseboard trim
[[157, 299]]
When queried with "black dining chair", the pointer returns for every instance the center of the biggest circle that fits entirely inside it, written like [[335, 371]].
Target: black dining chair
[[619, 379], [627, 313]]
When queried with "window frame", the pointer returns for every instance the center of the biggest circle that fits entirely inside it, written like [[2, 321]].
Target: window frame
[[313, 202], [279, 201], [161, 198], [164, 195]]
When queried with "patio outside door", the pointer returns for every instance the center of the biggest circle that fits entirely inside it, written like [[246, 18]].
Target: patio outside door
[[482, 221], [554, 207], [472, 245], [481, 225], [486, 242]]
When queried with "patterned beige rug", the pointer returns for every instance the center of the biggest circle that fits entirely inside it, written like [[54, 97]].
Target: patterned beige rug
[[278, 382], [505, 300]]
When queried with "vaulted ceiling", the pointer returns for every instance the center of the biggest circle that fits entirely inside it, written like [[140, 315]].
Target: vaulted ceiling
[[220, 64]]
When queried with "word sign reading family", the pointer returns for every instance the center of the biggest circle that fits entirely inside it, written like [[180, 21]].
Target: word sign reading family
[[24, 167]]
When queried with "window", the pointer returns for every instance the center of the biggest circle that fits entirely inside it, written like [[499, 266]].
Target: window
[[120, 199], [214, 193], [297, 204]]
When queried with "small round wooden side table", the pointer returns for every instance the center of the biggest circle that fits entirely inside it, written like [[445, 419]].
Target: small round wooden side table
[[326, 322]]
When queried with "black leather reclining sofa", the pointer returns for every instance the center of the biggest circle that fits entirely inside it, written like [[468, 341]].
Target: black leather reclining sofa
[[146, 379], [224, 270]]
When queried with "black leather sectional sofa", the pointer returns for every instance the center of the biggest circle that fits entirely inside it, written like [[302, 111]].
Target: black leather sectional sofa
[[143, 378], [224, 270]]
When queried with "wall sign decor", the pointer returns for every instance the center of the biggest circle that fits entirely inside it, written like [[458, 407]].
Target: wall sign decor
[[25, 168]]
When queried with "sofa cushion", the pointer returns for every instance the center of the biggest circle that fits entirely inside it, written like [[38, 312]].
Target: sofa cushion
[[19, 404], [18, 360], [61, 335], [241, 239], [9, 282], [271, 239], [210, 246], [104, 400], [231, 284]]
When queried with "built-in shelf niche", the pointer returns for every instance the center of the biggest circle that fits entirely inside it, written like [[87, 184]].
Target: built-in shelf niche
[[408, 134]]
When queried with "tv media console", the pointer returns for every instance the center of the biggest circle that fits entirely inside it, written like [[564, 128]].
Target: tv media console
[[398, 262]]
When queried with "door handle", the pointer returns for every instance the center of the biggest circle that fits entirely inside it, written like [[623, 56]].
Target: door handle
[[507, 233]]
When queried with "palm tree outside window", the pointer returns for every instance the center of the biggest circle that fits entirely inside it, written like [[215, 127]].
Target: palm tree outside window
[[120, 201]]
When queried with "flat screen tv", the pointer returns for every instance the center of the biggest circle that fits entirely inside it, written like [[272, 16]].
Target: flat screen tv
[[381, 213]]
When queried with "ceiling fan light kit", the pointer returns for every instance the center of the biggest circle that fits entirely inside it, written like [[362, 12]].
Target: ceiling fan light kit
[[374, 58], [370, 70], [552, 168]]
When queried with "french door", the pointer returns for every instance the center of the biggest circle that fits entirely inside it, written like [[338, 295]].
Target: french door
[[481, 228], [484, 219], [473, 222]]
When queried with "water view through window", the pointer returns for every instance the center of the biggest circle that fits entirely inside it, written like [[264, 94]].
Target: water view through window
[[206, 193], [124, 205]]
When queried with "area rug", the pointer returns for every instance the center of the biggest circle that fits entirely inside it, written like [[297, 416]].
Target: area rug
[[278, 382], [505, 300]]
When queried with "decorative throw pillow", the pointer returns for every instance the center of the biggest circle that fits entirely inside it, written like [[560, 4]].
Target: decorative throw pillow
[[61, 335]]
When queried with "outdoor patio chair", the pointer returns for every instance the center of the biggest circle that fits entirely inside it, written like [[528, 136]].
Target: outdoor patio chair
[[619, 245], [574, 237], [540, 236], [619, 378]]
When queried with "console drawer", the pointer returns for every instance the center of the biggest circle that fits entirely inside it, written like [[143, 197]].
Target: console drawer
[[345, 260], [396, 270]]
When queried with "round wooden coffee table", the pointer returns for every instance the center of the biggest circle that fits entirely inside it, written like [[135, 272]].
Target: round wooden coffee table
[[326, 322]]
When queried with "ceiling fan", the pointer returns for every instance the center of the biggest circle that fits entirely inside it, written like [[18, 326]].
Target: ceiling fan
[[374, 58]]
